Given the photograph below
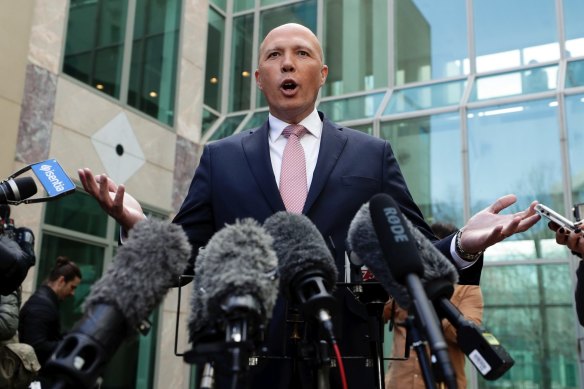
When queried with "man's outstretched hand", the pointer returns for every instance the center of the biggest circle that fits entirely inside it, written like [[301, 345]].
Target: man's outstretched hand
[[488, 227], [112, 198]]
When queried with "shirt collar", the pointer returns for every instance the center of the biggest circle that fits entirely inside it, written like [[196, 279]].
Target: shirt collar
[[312, 123]]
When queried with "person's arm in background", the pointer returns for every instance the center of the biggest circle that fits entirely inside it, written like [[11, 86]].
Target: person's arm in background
[[37, 329], [9, 307]]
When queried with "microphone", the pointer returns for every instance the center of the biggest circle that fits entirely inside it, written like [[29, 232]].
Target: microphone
[[15, 190], [144, 268], [401, 253], [481, 347], [307, 269], [234, 293]]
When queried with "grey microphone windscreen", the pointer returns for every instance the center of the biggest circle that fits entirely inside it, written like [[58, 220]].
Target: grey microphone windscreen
[[238, 260], [149, 263], [300, 247], [198, 318]]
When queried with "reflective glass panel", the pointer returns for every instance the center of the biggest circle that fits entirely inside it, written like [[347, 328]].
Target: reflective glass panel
[[242, 5], [366, 128], [575, 125], [214, 60], [358, 107], [355, 46], [515, 148], [220, 3], [154, 58], [529, 309], [65, 213], [241, 55], [302, 12], [429, 154], [430, 40], [227, 128], [209, 118], [425, 97], [575, 74], [256, 120], [533, 80], [514, 33], [573, 27], [95, 43]]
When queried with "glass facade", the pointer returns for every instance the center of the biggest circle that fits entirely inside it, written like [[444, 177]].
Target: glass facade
[[478, 99], [135, 65]]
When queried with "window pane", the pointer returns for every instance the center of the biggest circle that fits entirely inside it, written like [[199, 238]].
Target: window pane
[[88, 257], [303, 13], [256, 120], [214, 60], [529, 310], [241, 56], [366, 128], [242, 5], [514, 33], [522, 82], [355, 45], [575, 74], [352, 108], [228, 127], [515, 148], [209, 119], [575, 124], [430, 40], [425, 97], [574, 28], [94, 45], [428, 151], [154, 58], [65, 213]]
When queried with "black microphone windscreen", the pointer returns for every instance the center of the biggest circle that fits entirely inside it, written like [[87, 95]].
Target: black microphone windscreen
[[300, 247], [155, 254], [238, 260], [17, 189], [362, 241], [26, 186]]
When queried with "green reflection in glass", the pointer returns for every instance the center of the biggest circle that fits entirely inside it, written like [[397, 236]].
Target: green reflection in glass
[[258, 119], [366, 128], [515, 148], [214, 60], [209, 118], [302, 13], [426, 97], [522, 82], [529, 309], [94, 44], [243, 5], [359, 107], [228, 127], [575, 124], [430, 40], [241, 71], [355, 46], [65, 213], [424, 147], [88, 257], [154, 58], [220, 3], [575, 74]]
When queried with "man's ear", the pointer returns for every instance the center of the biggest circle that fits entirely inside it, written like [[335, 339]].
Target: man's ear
[[258, 79], [323, 74]]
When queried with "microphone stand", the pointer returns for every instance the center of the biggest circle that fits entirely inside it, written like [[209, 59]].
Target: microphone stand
[[414, 338]]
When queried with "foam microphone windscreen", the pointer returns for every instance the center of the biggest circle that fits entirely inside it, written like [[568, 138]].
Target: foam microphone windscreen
[[238, 260], [300, 247], [198, 318], [155, 254]]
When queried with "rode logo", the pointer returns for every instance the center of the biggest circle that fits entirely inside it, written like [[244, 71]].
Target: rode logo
[[395, 225], [52, 177]]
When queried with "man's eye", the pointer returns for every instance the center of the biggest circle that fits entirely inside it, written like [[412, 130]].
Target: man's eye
[[274, 54], [303, 53]]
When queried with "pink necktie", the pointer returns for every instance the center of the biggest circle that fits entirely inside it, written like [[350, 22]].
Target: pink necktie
[[293, 186]]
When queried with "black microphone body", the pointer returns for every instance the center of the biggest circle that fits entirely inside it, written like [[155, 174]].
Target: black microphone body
[[145, 267], [401, 253], [17, 189]]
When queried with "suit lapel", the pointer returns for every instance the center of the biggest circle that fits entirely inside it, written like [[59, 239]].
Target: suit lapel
[[332, 144], [257, 152]]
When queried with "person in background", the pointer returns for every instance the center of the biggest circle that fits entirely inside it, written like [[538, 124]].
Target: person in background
[[40, 325], [468, 298]]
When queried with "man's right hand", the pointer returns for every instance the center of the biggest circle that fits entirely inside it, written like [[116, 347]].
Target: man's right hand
[[112, 198]]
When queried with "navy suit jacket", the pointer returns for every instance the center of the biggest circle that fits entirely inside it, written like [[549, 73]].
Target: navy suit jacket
[[235, 180]]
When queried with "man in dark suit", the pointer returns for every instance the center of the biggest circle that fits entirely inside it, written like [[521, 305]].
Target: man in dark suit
[[239, 177]]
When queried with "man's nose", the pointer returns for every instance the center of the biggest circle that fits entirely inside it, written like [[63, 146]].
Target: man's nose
[[288, 63]]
